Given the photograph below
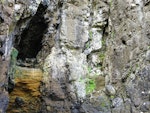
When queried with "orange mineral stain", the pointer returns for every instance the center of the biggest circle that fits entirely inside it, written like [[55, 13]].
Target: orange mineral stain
[[27, 84]]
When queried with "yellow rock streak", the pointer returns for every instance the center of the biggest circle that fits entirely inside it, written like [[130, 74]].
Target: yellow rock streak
[[27, 83]]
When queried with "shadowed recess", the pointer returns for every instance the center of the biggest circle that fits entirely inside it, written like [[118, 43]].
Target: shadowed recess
[[30, 41]]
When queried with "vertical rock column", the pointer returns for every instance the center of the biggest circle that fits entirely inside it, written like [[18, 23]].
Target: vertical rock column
[[75, 32], [127, 53]]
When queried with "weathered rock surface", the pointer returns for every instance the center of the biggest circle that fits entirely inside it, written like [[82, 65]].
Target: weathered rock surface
[[25, 96], [11, 12], [95, 54]]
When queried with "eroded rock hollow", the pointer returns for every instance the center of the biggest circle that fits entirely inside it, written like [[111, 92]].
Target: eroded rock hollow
[[74, 56]]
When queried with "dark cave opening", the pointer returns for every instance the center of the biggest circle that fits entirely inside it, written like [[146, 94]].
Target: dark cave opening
[[124, 42], [30, 41]]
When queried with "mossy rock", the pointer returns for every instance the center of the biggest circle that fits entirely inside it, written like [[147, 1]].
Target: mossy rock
[[14, 54], [90, 86]]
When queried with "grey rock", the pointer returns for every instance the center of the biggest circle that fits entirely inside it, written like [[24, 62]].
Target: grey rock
[[4, 100], [110, 90], [19, 101], [145, 107], [75, 111], [137, 102], [48, 108], [148, 55], [116, 102]]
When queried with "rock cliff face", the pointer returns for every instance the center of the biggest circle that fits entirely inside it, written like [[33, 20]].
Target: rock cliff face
[[94, 54]]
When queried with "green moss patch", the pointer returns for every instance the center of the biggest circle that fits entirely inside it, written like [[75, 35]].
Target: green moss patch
[[90, 86], [101, 56]]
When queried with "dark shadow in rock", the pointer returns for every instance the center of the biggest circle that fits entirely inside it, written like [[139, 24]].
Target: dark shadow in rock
[[30, 41]]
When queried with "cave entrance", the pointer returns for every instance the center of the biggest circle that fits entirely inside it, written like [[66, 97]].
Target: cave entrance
[[25, 78], [29, 43]]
